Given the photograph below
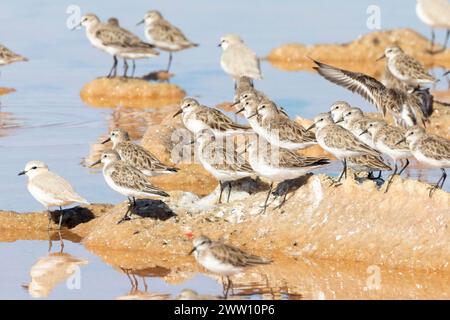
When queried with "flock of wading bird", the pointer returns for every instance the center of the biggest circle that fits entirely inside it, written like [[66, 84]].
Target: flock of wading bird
[[360, 141]]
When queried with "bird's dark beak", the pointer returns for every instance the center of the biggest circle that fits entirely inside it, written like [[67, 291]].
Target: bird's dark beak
[[95, 163], [76, 27], [364, 132], [253, 115], [178, 112], [140, 22], [239, 111], [236, 103], [382, 57], [401, 141], [107, 140], [340, 120], [219, 45], [21, 173], [311, 127], [192, 251]]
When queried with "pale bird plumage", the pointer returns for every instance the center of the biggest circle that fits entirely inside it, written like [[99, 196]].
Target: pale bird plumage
[[237, 59], [48, 188]]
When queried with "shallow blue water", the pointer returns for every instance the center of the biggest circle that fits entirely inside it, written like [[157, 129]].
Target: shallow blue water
[[55, 126]]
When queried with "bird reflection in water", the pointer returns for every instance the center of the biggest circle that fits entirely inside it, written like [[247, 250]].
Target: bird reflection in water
[[50, 271], [138, 294]]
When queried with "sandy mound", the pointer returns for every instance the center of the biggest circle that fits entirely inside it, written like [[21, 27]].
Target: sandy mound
[[127, 92], [360, 54]]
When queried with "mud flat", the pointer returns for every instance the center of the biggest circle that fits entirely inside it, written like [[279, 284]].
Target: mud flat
[[4, 91], [130, 92], [359, 55], [326, 241]]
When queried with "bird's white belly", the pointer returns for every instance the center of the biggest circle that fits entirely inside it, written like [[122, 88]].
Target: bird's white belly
[[422, 14], [195, 125], [430, 162], [99, 45], [45, 198], [216, 266], [394, 154]]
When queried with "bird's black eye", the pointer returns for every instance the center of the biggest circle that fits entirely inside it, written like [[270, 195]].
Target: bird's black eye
[[188, 105], [34, 168]]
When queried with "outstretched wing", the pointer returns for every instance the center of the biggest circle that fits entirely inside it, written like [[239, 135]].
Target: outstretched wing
[[369, 88]]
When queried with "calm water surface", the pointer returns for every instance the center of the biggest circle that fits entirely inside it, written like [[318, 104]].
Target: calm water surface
[[55, 126]]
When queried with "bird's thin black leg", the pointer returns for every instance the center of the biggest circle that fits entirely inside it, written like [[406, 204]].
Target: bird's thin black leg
[[439, 184], [221, 192], [134, 68], [267, 198], [344, 171], [404, 168], [433, 37], [170, 62], [391, 178], [446, 39], [125, 68], [126, 217], [229, 191], [112, 72]]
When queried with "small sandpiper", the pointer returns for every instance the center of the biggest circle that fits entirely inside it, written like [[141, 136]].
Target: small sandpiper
[[50, 189], [355, 121], [116, 41], [127, 180], [223, 259], [406, 108], [338, 109], [237, 59], [7, 56], [133, 54], [430, 150], [386, 140], [224, 164], [280, 130], [278, 164], [136, 155], [197, 117], [163, 35], [339, 141], [405, 68]]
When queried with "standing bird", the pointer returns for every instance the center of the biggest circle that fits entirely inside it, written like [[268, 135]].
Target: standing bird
[[280, 130], [339, 141], [405, 68], [137, 156], [49, 189], [406, 108], [223, 259], [237, 59], [115, 41], [163, 35], [127, 180], [132, 55], [435, 14], [7, 56], [386, 140], [197, 117], [225, 164], [278, 164], [430, 150]]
